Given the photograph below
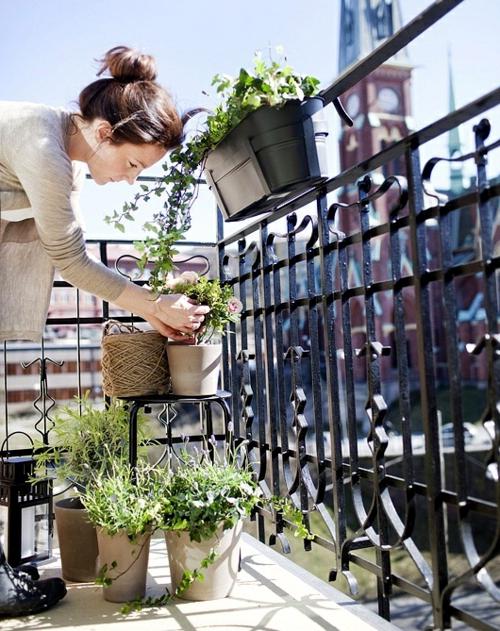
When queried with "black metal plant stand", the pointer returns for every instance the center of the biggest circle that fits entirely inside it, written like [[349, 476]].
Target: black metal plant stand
[[206, 402]]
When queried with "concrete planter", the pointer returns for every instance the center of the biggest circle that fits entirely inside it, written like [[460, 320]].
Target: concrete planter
[[220, 577], [77, 541], [194, 370], [131, 558]]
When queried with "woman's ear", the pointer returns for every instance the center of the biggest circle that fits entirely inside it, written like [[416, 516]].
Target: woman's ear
[[103, 131]]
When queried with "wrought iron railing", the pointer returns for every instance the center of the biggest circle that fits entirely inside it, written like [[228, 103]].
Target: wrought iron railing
[[312, 395], [365, 372]]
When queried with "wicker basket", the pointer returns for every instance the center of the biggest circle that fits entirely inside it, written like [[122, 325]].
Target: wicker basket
[[134, 362]]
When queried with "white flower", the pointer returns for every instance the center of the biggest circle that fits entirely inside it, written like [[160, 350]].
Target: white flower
[[189, 277], [234, 305], [172, 283]]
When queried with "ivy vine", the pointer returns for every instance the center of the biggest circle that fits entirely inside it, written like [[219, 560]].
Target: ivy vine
[[271, 83]]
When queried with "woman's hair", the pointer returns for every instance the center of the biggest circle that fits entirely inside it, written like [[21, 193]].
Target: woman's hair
[[137, 108]]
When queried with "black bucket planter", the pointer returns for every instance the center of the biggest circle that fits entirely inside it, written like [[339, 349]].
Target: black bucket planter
[[272, 154]]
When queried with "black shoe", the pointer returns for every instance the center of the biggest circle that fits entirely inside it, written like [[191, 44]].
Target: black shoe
[[29, 571], [21, 596]]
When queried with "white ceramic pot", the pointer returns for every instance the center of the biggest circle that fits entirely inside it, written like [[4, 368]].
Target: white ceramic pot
[[131, 557], [220, 577], [194, 370]]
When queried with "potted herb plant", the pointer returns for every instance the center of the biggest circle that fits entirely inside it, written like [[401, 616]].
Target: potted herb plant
[[87, 440], [194, 368], [209, 495], [124, 505], [199, 499]]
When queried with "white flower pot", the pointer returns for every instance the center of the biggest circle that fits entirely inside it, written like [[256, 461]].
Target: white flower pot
[[131, 557], [220, 577], [194, 370]]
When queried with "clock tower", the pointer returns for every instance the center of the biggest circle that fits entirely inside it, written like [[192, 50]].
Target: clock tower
[[380, 104]]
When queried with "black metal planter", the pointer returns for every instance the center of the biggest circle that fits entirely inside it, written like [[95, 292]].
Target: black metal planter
[[271, 154]]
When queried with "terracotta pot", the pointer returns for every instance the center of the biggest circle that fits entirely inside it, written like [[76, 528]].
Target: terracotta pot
[[131, 557], [220, 577], [77, 541], [194, 370]]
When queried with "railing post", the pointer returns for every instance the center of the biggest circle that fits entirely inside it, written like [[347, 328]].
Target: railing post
[[435, 506], [329, 261]]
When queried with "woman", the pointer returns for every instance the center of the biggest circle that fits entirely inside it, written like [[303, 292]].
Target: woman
[[126, 123]]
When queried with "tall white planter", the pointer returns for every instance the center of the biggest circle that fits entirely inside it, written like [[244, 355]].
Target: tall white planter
[[220, 577], [131, 557], [194, 370]]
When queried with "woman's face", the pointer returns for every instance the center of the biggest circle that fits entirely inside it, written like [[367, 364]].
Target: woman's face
[[110, 162]]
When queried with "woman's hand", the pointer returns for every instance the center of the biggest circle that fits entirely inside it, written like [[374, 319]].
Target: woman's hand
[[174, 315], [180, 313], [169, 332]]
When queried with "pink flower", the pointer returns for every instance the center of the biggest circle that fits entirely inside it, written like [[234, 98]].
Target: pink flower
[[234, 305]]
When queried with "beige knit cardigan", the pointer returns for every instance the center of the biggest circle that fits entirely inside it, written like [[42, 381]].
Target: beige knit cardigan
[[37, 174]]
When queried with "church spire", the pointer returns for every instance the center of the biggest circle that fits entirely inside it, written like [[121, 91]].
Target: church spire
[[364, 24], [454, 145]]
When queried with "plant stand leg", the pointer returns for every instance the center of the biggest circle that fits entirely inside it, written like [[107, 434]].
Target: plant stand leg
[[132, 436]]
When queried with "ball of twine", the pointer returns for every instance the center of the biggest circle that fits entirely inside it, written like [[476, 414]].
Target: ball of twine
[[134, 362]]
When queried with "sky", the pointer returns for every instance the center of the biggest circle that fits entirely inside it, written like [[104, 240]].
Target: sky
[[48, 52]]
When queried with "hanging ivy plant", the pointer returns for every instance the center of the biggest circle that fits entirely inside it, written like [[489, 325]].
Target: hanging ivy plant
[[271, 83]]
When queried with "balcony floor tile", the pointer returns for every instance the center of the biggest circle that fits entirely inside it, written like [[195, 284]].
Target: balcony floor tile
[[272, 593]]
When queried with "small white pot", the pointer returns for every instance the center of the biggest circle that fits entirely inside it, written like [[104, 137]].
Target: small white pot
[[220, 577], [194, 370]]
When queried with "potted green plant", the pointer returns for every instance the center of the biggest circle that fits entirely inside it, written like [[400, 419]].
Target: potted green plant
[[259, 145], [124, 505], [271, 145], [209, 495], [86, 440], [199, 499], [194, 368]]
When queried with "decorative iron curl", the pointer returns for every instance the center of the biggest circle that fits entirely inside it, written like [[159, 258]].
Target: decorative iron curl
[[365, 185], [138, 276], [43, 397], [293, 231], [477, 562], [242, 255], [258, 465], [376, 408], [483, 129]]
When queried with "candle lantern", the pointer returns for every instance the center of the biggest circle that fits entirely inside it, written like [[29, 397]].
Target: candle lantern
[[25, 511]]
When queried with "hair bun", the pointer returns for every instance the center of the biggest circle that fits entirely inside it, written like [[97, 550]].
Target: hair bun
[[127, 65]]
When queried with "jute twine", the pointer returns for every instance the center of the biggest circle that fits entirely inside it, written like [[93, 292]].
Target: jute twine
[[134, 362]]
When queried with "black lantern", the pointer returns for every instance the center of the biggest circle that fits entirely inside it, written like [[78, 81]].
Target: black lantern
[[25, 511]]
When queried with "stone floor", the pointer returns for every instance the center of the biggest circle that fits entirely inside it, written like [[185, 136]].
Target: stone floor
[[272, 594]]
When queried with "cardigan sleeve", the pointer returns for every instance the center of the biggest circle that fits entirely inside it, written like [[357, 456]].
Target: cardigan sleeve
[[40, 162]]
